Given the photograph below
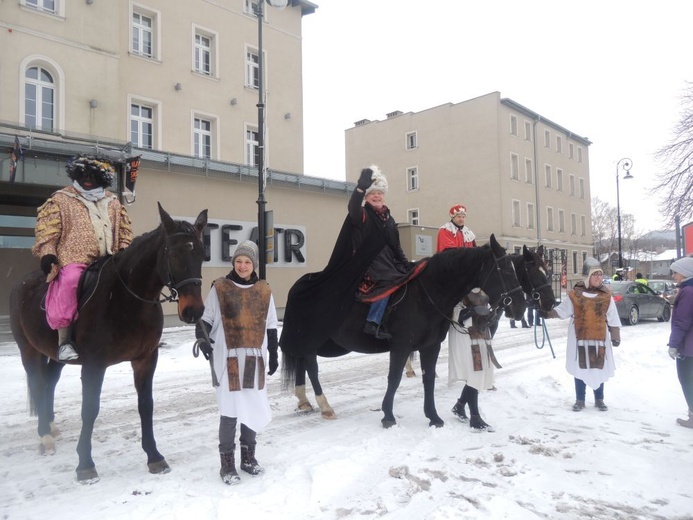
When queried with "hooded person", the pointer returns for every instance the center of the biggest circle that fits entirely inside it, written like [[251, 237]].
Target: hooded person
[[76, 226], [593, 330], [454, 233]]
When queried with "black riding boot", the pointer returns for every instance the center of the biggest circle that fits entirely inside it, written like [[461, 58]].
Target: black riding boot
[[248, 462], [475, 420], [458, 409], [228, 471]]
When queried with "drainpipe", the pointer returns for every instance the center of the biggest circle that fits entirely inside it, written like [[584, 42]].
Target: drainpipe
[[536, 183]]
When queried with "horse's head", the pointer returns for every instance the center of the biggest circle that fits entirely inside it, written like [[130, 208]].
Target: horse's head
[[500, 282], [180, 266], [534, 279]]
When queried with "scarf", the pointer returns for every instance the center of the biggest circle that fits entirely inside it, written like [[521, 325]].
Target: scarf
[[233, 276], [92, 195]]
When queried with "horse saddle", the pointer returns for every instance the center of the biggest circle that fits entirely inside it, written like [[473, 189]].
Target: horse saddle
[[388, 288], [89, 280]]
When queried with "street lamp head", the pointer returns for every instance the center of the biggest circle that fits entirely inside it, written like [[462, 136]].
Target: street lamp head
[[627, 175], [279, 4]]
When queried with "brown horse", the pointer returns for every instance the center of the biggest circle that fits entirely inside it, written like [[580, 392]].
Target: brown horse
[[120, 320]]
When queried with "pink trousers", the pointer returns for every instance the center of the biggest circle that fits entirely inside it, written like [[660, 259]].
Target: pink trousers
[[61, 299]]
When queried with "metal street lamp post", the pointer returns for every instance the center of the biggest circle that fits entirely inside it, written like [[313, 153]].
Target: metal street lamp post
[[261, 202], [626, 165]]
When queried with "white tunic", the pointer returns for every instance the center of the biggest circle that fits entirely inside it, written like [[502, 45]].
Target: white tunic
[[593, 377], [249, 405], [460, 361]]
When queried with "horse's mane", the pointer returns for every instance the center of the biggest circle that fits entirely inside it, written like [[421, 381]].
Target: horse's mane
[[451, 258], [182, 225]]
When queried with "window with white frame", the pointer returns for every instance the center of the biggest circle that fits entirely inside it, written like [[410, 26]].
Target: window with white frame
[[579, 159], [251, 145], [561, 221], [513, 124], [144, 41], [202, 137], [583, 225], [252, 68], [250, 7], [559, 179], [584, 256], [46, 6], [39, 99], [530, 215], [529, 171], [528, 131], [571, 185], [575, 262], [549, 218], [581, 188], [559, 144], [413, 216], [412, 178], [547, 139], [571, 150], [547, 176], [514, 166], [573, 224], [142, 125], [411, 141], [204, 51], [516, 213]]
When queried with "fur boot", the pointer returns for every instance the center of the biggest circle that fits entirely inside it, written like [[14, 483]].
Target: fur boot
[[248, 462], [228, 471], [686, 423]]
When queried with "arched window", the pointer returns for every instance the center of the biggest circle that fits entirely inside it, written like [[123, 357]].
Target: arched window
[[39, 99]]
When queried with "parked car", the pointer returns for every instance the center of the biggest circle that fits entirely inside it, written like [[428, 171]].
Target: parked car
[[665, 288], [636, 301]]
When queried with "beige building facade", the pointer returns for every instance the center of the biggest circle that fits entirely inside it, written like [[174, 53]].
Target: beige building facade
[[521, 176]]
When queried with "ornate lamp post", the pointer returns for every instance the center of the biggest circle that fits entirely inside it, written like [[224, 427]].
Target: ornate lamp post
[[261, 202], [626, 165]]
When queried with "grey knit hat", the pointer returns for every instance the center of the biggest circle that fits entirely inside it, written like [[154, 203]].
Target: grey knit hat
[[683, 266], [249, 249]]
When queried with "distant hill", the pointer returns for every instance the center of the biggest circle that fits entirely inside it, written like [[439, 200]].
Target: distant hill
[[657, 236]]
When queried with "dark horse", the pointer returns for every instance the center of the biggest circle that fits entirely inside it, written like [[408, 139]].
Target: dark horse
[[532, 274], [121, 320], [419, 317]]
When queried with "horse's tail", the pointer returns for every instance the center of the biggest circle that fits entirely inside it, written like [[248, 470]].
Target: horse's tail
[[289, 364], [30, 402]]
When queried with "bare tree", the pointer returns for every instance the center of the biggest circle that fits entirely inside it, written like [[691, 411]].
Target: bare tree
[[604, 230], [676, 179]]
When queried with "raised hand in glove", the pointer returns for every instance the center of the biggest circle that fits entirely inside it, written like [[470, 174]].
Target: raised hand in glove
[[365, 179], [673, 353], [47, 262], [272, 348]]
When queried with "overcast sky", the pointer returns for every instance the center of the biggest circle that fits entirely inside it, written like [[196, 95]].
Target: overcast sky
[[612, 71]]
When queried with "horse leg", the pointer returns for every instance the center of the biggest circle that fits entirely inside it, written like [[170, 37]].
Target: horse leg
[[143, 369], [311, 365], [52, 371], [394, 377], [300, 387], [92, 382], [409, 368], [429, 359]]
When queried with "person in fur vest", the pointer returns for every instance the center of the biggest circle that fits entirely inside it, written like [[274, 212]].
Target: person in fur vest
[[74, 227], [594, 329], [237, 331]]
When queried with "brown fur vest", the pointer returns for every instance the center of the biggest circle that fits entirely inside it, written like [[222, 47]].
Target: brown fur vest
[[244, 312]]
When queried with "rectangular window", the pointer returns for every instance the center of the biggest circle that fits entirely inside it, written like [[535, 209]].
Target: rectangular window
[[252, 68], [251, 146], [561, 221], [412, 178], [529, 171], [559, 179], [571, 185], [581, 188], [530, 215], [203, 54], [202, 138], [413, 217], [547, 139], [516, 213], [571, 150], [142, 35], [579, 154], [514, 167], [559, 144], [575, 264], [583, 225], [42, 5], [549, 219], [528, 131], [411, 141], [584, 256], [573, 224], [513, 125], [547, 176], [250, 7], [142, 125]]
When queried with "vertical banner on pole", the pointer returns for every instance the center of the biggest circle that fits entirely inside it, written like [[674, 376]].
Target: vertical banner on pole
[[687, 232], [269, 236]]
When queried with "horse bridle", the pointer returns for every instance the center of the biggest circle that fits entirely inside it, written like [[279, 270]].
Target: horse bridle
[[534, 293], [170, 282], [505, 297]]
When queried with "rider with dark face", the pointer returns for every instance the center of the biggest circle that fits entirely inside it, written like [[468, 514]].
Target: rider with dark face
[[76, 226]]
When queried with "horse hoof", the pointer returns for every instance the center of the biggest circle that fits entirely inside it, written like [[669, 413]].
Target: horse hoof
[[159, 468], [47, 445], [329, 415], [304, 407], [411, 373], [438, 423], [388, 423], [55, 432], [87, 476]]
